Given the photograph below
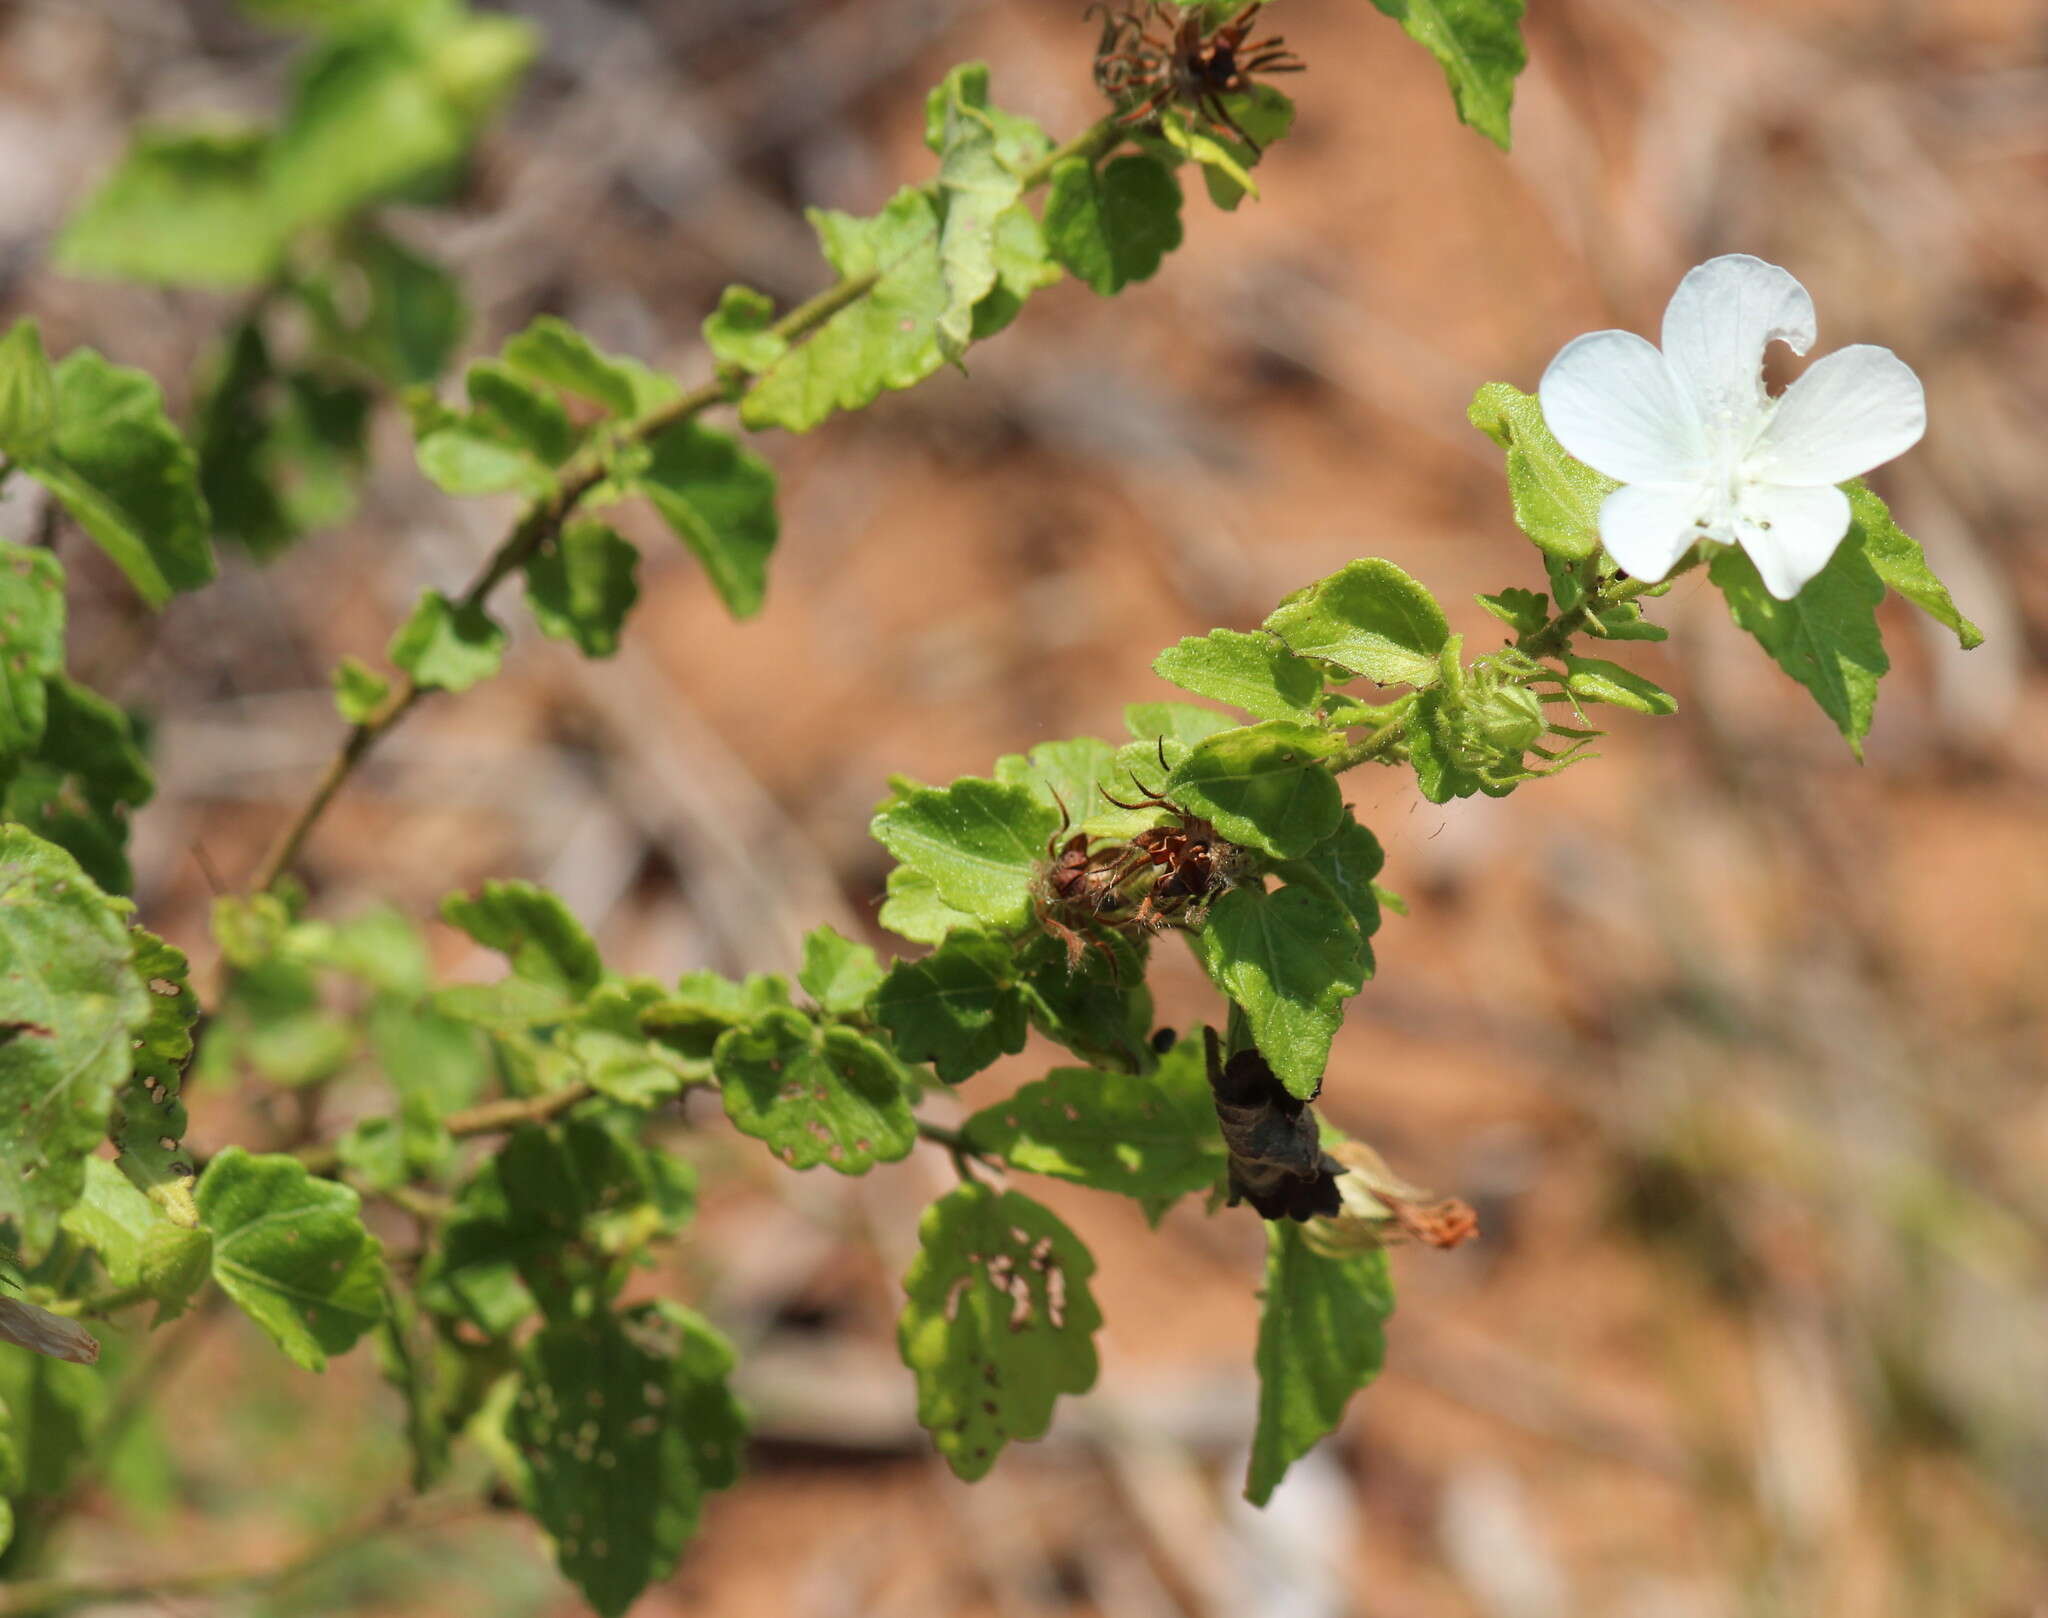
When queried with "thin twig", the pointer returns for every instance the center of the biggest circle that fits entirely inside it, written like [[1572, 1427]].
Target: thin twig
[[543, 521]]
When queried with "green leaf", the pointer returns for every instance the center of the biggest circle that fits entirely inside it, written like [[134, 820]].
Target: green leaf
[[52, 1414], [615, 1054], [1179, 722], [292, 1252], [1263, 786], [582, 587], [1252, 672], [980, 843], [554, 352], [138, 1244], [720, 500], [975, 188], [1066, 772], [1523, 611], [885, 340], [1594, 679], [740, 331], [31, 645], [1153, 1138], [1625, 622], [998, 1322], [1368, 618], [958, 1008], [914, 910], [815, 1095], [1322, 1337], [838, 974], [626, 1423], [189, 207], [1479, 44], [1557, 499], [1102, 1016], [1826, 637], [1262, 113], [1227, 159], [415, 316], [1343, 866], [704, 1005], [447, 645], [28, 393], [528, 418], [359, 690], [148, 1122], [123, 472], [1114, 225], [1290, 959], [70, 1008], [1897, 559], [465, 455], [533, 930]]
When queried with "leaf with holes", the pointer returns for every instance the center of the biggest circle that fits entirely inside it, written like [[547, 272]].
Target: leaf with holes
[[1290, 959], [1263, 786], [625, 1423], [885, 340], [292, 1251], [959, 1008], [1825, 637], [1153, 1137], [71, 1006], [981, 843], [1322, 1337], [1557, 499], [815, 1095], [148, 1124], [1368, 618], [998, 1322]]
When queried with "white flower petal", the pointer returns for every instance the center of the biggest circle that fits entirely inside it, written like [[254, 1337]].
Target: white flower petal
[[1723, 316], [1613, 402], [1852, 410], [1646, 527], [1790, 532]]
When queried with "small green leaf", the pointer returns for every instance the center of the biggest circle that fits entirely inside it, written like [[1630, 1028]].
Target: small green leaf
[[31, 645], [1479, 44], [1523, 611], [463, 456], [292, 1251], [415, 314], [626, 1423], [1263, 786], [1154, 1138], [1898, 560], [1322, 1337], [1594, 679], [553, 352], [70, 1009], [1826, 637], [188, 207], [959, 1008], [838, 974], [1625, 622], [998, 1322], [1225, 158], [615, 1054], [28, 393], [148, 1122], [533, 930], [815, 1094], [448, 646], [720, 500], [138, 1244], [914, 910], [1369, 618], [124, 473], [1290, 959], [359, 690], [1252, 672], [740, 331], [1114, 225], [1266, 116], [975, 188], [529, 418], [582, 587], [1343, 865], [885, 340], [1557, 499], [979, 842], [1068, 772], [1179, 722]]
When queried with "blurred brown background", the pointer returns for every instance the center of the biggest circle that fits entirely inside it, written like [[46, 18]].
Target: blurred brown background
[[1737, 1047]]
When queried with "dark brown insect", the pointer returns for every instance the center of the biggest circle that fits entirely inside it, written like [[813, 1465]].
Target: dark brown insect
[[1185, 67], [1192, 861]]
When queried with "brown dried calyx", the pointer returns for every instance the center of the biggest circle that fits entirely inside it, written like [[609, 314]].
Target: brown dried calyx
[[1277, 1162], [1380, 1209]]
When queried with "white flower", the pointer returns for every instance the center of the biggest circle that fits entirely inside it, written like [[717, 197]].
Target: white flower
[[1703, 452]]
